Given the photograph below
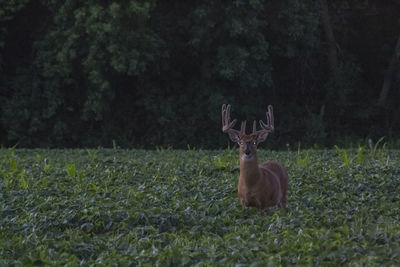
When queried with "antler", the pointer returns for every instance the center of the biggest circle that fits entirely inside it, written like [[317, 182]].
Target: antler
[[235, 135], [227, 124], [266, 127]]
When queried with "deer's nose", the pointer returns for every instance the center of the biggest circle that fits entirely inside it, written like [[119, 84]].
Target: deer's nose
[[247, 152]]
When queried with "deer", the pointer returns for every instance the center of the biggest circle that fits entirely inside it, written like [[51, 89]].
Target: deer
[[263, 185]]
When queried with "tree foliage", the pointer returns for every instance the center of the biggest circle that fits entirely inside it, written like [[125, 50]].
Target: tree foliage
[[147, 73]]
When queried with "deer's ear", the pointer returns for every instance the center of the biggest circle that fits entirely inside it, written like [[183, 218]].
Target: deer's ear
[[262, 136], [234, 136]]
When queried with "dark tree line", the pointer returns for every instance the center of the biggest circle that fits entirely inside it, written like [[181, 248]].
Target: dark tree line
[[147, 73]]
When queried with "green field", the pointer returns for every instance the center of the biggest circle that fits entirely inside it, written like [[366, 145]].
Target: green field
[[179, 207]]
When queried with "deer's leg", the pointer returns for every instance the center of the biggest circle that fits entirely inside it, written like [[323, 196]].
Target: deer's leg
[[262, 212], [243, 203], [282, 204], [260, 207]]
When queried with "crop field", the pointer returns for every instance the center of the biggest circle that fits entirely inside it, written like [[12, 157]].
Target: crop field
[[167, 207]]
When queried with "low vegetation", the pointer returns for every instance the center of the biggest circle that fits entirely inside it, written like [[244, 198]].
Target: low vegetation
[[169, 207]]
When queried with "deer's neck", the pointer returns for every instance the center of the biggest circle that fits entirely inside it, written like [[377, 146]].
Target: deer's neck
[[249, 170]]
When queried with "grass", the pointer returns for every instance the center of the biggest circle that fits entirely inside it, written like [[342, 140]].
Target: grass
[[168, 207]]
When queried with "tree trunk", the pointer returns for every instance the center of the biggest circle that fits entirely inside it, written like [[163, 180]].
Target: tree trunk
[[329, 36], [389, 74]]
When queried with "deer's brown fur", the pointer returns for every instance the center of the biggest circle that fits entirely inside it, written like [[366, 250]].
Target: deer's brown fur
[[262, 185]]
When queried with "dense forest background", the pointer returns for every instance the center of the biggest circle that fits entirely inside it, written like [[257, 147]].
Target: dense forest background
[[149, 73]]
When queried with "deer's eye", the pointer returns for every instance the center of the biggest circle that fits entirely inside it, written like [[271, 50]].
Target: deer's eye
[[254, 143], [241, 143]]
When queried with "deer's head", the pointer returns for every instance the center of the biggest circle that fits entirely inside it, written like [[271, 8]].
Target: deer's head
[[247, 142]]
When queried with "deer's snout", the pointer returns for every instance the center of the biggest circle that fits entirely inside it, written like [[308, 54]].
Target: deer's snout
[[247, 151]]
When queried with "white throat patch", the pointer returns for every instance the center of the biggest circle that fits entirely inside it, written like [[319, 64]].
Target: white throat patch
[[245, 157]]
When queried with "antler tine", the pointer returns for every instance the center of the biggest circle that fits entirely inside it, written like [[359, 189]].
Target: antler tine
[[254, 127], [271, 116], [269, 126], [223, 112], [243, 128], [227, 125]]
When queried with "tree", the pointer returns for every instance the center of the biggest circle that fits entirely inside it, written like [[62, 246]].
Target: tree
[[329, 36], [390, 73], [85, 53], [148, 72]]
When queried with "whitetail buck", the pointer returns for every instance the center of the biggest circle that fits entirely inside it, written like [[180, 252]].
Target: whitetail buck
[[262, 185]]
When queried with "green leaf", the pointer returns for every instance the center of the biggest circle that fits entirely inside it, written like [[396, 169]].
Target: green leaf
[[24, 183], [71, 169]]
